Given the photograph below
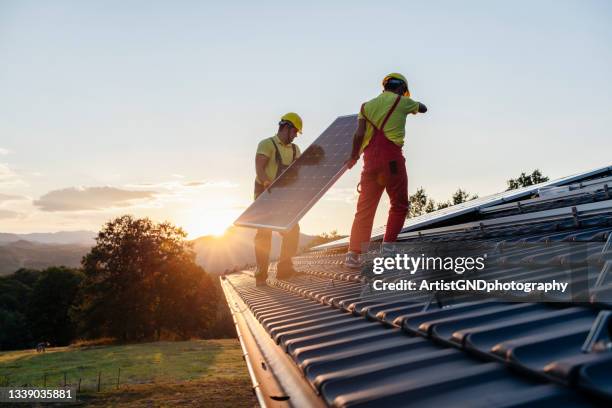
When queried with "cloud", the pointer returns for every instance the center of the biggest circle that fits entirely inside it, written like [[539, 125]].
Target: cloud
[[6, 214], [194, 183], [8, 177], [211, 184], [4, 152], [344, 194], [90, 198], [10, 197], [184, 185]]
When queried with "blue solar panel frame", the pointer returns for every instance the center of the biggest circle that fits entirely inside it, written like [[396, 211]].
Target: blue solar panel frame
[[304, 182]]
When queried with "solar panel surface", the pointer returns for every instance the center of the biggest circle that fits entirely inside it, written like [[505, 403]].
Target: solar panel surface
[[299, 187]]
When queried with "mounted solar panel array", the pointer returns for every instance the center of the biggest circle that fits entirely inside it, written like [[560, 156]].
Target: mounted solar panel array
[[474, 205], [299, 187]]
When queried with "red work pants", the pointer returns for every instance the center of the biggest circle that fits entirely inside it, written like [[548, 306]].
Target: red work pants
[[384, 169]]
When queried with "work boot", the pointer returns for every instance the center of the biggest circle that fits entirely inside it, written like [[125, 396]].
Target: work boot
[[285, 270], [260, 280], [388, 249], [353, 260]]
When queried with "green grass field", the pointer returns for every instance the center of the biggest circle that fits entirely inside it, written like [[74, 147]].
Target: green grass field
[[190, 373]]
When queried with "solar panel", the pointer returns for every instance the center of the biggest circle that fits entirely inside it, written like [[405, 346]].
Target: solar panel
[[473, 205], [299, 187]]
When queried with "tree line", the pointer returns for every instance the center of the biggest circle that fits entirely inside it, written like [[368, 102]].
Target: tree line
[[139, 282], [421, 204]]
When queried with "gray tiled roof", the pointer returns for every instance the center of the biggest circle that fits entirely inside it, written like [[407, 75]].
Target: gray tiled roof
[[358, 349]]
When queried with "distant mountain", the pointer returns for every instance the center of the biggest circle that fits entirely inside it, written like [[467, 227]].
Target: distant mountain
[[42, 250], [233, 249], [61, 237], [34, 255]]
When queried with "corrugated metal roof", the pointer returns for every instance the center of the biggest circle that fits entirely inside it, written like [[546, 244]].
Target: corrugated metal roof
[[361, 349]]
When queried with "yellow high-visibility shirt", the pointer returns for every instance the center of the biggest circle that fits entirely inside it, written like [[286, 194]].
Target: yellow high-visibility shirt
[[266, 147], [376, 109]]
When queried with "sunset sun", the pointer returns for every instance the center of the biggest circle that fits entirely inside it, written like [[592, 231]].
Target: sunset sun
[[209, 223]]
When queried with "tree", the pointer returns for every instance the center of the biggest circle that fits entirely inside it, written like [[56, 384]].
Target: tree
[[52, 297], [15, 292], [525, 180], [26, 276], [323, 238], [420, 204], [141, 281], [15, 333], [444, 204], [462, 196]]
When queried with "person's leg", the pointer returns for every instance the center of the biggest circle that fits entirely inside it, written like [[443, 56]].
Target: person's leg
[[397, 188], [289, 248], [263, 243], [372, 187]]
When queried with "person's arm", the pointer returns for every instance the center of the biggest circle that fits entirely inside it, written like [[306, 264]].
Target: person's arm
[[261, 160], [357, 142], [413, 107]]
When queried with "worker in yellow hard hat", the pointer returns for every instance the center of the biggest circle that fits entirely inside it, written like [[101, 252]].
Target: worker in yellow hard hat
[[380, 137], [274, 155]]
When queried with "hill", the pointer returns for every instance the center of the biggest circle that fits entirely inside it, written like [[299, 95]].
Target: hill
[[34, 255], [60, 237], [234, 248], [215, 254], [187, 373]]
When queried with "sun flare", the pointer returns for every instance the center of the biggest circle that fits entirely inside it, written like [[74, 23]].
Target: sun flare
[[211, 223]]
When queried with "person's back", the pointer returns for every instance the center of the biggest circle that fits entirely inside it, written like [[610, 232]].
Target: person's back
[[377, 108], [380, 136]]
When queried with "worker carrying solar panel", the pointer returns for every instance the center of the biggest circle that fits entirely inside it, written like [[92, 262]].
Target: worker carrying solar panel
[[380, 137], [274, 155]]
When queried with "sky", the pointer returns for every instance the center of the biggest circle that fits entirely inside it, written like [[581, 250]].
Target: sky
[[155, 108]]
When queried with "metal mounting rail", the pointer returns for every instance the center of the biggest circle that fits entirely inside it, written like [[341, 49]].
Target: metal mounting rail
[[558, 213], [576, 193]]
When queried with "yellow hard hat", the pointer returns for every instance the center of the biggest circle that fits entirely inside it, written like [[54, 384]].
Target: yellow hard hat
[[395, 75], [294, 119]]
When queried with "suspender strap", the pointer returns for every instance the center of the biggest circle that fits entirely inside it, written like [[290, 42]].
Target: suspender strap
[[279, 158], [366, 118], [382, 127], [279, 161], [384, 122]]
